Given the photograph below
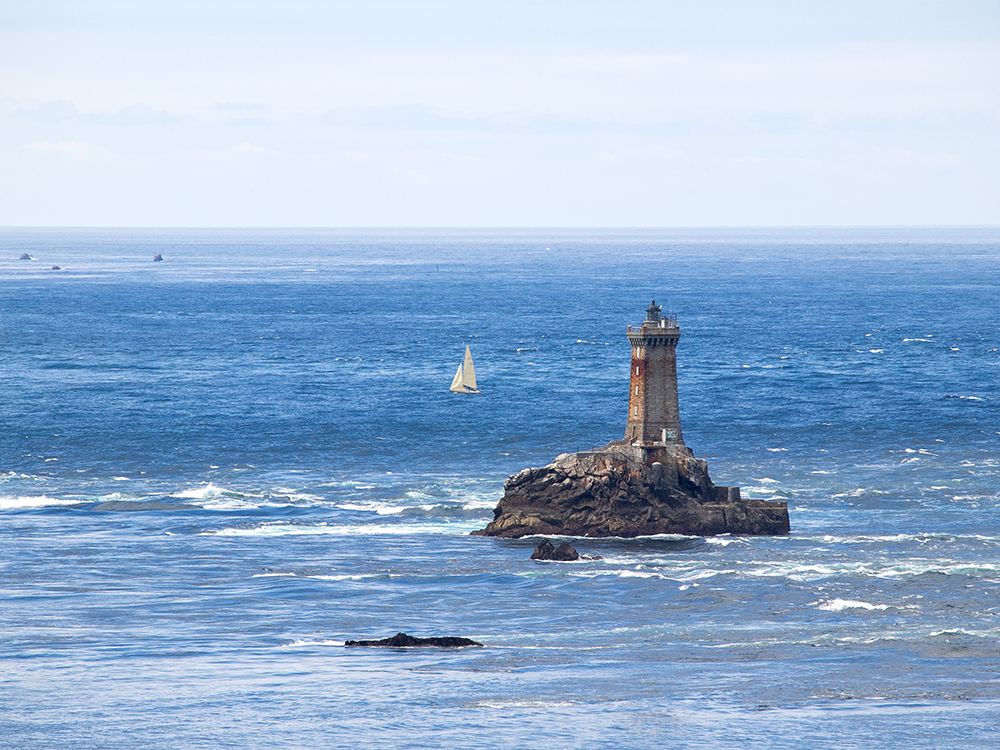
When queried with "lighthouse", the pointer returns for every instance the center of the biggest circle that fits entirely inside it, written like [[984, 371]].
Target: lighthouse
[[645, 484], [653, 408]]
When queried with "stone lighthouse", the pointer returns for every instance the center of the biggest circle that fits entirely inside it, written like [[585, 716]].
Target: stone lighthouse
[[653, 409]]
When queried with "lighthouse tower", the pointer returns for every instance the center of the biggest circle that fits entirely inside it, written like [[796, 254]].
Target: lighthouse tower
[[653, 410]]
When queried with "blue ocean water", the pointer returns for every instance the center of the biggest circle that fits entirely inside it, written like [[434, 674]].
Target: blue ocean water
[[218, 468]]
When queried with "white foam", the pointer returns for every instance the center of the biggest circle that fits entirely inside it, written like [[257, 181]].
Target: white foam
[[213, 497], [288, 529], [372, 506], [723, 540], [205, 492], [639, 574], [34, 501], [839, 605], [992, 633], [522, 704]]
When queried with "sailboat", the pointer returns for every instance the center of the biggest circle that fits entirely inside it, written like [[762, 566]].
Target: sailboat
[[465, 378]]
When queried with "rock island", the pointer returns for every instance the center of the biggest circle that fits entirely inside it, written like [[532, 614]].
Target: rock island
[[647, 483]]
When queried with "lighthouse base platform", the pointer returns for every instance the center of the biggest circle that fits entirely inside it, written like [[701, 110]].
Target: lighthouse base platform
[[624, 490]]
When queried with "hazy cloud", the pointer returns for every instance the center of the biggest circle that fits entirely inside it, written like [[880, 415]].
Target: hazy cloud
[[513, 112], [407, 117], [57, 112], [66, 147]]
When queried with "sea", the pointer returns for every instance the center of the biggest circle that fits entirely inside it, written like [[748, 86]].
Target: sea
[[218, 468]]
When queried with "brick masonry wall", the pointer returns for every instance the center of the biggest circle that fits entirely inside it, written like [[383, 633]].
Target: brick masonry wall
[[653, 401]]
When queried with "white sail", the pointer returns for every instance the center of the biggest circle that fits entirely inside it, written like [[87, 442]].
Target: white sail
[[456, 384], [468, 370], [465, 378]]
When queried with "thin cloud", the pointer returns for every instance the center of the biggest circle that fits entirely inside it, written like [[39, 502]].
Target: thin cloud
[[404, 117], [64, 110], [80, 148]]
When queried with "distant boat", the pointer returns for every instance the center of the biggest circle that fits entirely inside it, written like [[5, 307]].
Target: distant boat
[[465, 378]]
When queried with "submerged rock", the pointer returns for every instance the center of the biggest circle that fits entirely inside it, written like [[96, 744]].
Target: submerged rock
[[402, 640], [563, 553], [129, 506], [628, 491]]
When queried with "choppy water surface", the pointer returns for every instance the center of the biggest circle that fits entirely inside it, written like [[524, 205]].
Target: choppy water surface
[[218, 468]]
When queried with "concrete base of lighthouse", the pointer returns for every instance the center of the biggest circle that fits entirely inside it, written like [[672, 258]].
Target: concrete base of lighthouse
[[629, 490]]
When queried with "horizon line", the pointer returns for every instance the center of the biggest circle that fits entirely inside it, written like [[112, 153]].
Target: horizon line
[[608, 227]]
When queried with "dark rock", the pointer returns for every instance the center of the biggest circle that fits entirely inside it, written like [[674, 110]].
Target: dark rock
[[56, 268], [402, 640], [157, 258], [25, 256], [628, 491], [128, 506], [563, 553]]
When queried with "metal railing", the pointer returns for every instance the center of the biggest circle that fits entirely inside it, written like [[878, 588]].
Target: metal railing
[[667, 321]]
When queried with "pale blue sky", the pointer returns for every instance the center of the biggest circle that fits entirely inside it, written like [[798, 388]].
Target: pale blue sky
[[514, 113]]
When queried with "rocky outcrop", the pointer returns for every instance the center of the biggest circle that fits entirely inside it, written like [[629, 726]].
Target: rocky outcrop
[[563, 553], [402, 640], [628, 491]]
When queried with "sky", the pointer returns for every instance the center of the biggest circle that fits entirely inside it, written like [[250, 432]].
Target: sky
[[512, 113]]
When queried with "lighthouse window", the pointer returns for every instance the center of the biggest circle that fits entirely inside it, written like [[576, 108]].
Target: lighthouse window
[[635, 410], [637, 369], [637, 390]]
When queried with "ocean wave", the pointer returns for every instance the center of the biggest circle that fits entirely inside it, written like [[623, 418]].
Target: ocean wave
[[302, 642], [285, 528], [9, 475], [839, 605], [327, 576], [505, 704], [216, 498], [213, 497], [920, 538], [723, 540], [866, 569], [992, 633], [34, 501], [475, 509]]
